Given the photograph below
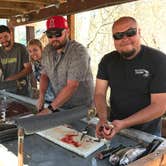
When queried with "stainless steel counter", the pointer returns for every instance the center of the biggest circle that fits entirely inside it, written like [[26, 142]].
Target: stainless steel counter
[[38, 151], [41, 152]]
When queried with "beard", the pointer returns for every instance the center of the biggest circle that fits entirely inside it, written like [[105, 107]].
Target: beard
[[6, 45], [128, 54], [59, 44]]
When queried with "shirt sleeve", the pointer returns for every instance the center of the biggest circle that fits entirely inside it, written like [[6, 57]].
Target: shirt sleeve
[[158, 81], [79, 64], [102, 70]]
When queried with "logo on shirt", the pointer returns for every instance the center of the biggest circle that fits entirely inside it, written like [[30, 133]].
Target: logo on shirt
[[8, 60], [142, 72]]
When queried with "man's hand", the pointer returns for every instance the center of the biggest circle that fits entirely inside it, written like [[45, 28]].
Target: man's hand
[[45, 111], [104, 129], [117, 126], [40, 103], [99, 128], [24, 72], [108, 131], [8, 79]]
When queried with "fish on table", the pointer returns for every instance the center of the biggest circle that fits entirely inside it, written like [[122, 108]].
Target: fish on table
[[126, 155]]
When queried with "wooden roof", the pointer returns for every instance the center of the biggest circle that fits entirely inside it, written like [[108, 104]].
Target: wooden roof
[[21, 12]]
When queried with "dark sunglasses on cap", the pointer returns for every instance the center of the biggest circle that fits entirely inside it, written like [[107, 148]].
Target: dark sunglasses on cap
[[51, 34], [129, 33]]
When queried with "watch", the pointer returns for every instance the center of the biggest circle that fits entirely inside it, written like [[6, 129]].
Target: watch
[[52, 109]]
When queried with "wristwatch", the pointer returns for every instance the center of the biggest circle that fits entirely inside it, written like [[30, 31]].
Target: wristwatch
[[52, 109]]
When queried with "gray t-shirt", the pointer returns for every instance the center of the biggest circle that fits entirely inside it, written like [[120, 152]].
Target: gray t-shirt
[[72, 64], [12, 62]]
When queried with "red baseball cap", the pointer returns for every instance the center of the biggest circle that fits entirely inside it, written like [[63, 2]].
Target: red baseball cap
[[56, 22]]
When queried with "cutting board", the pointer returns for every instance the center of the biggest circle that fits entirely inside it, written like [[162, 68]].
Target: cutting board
[[70, 139]]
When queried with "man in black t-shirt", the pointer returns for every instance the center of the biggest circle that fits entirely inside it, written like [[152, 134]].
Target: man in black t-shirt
[[137, 77]]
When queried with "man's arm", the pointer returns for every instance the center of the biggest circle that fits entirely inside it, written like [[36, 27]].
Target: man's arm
[[100, 99], [43, 87], [43, 84], [101, 104], [63, 96], [25, 71], [155, 110]]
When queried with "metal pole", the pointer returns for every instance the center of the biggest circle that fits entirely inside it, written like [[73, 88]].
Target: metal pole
[[19, 97], [20, 146]]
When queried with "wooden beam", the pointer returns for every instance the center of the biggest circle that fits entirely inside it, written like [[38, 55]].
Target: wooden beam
[[26, 6], [9, 12], [5, 16], [69, 8], [19, 10], [12, 31], [18, 5], [32, 1]]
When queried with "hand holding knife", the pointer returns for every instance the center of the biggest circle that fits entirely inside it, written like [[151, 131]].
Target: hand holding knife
[[84, 132]]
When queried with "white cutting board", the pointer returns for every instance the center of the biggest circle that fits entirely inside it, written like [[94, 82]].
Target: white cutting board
[[83, 147]]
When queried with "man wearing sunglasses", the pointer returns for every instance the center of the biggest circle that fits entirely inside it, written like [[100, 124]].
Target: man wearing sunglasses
[[66, 64], [137, 77]]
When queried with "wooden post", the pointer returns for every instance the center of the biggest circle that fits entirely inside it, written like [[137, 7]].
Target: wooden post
[[71, 22], [20, 146], [30, 33], [11, 30]]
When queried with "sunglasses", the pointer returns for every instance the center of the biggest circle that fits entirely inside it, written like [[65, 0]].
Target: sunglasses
[[51, 34], [129, 33]]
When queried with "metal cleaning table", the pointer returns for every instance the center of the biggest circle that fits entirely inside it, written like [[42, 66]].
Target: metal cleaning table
[[39, 151]]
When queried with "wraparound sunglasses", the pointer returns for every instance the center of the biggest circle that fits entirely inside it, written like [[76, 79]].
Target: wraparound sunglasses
[[129, 33]]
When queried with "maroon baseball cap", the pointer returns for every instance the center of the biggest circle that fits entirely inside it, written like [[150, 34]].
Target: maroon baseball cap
[[56, 22]]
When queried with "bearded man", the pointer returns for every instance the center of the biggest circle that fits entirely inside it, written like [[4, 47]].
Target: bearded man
[[66, 64], [137, 77], [14, 63]]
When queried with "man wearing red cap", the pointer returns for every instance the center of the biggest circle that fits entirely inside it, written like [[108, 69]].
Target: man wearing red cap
[[66, 64]]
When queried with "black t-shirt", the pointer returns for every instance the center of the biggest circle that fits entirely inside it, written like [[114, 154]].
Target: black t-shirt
[[132, 81]]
